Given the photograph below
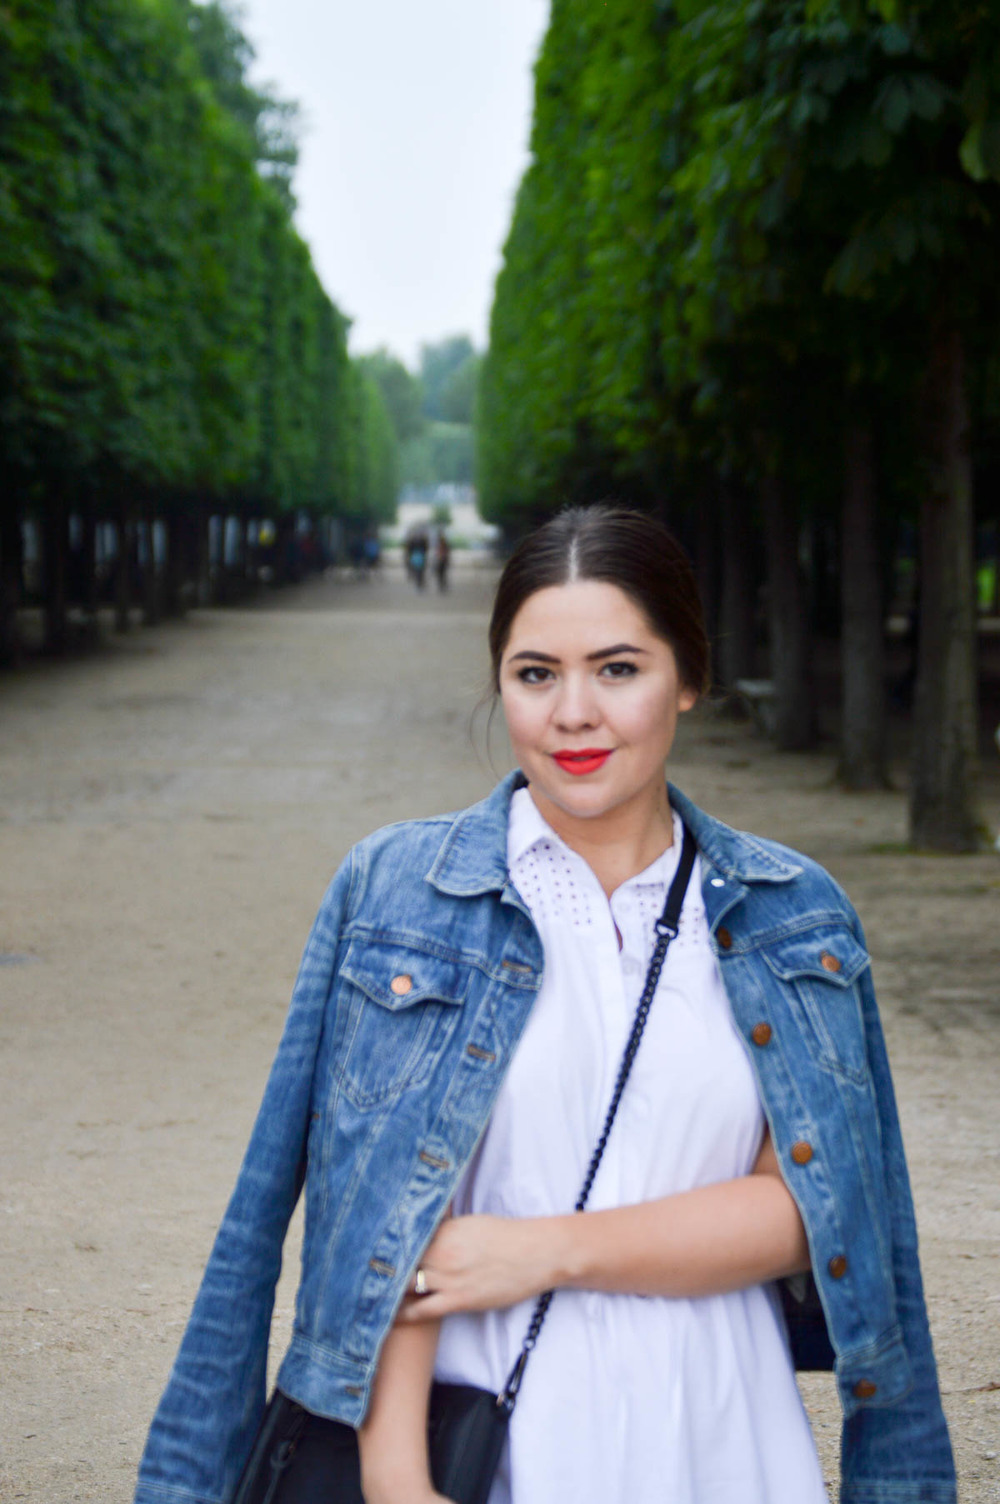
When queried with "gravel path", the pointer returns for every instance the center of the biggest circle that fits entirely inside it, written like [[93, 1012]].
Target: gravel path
[[170, 813]]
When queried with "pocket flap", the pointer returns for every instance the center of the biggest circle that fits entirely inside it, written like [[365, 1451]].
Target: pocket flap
[[398, 976], [829, 953]]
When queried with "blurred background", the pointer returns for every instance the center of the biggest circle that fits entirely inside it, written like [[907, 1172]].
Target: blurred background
[[732, 263]]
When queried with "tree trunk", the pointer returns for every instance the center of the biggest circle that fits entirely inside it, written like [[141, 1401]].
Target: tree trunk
[[55, 523], [736, 608], [252, 553], [862, 642], [150, 580], [123, 570], [192, 554], [284, 530], [788, 618], [823, 582], [942, 794], [203, 564], [707, 558], [89, 564], [11, 577], [222, 585], [173, 578]]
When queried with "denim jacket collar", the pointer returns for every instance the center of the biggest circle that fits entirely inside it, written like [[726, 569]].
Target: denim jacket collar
[[473, 856], [733, 853], [472, 859]]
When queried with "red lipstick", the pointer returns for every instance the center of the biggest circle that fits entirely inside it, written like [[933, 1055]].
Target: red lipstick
[[586, 760]]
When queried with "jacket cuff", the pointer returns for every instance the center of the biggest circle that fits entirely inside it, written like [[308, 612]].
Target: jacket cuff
[[156, 1493], [926, 1492]]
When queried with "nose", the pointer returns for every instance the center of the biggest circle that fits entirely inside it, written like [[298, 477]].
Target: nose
[[576, 708]]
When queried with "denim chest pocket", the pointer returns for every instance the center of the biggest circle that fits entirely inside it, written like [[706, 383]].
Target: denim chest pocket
[[822, 967], [402, 1003]]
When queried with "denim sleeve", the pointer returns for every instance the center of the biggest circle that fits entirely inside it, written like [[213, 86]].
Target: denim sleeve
[[899, 1453], [211, 1408]]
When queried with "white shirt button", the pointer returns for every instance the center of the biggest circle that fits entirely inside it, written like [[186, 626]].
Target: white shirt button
[[718, 882]]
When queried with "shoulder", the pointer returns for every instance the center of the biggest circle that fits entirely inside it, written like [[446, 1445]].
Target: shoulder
[[811, 873], [384, 871], [431, 860], [405, 837], [812, 893], [399, 855], [777, 876]]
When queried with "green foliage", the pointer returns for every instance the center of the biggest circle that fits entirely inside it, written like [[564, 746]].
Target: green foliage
[[438, 364], [738, 216], [225, 55], [374, 469], [162, 329], [458, 393], [435, 450], [441, 455], [402, 393]]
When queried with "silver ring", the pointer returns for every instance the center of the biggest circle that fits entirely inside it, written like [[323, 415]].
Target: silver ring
[[420, 1283]]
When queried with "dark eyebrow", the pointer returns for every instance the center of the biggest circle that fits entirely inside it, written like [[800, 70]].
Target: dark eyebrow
[[619, 647]]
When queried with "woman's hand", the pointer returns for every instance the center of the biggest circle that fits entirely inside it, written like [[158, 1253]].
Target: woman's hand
[[480, 1263]]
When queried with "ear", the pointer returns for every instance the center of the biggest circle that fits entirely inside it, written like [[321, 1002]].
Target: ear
[[687, 699]]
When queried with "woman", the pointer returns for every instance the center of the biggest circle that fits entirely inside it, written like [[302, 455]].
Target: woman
[[452, 1041]]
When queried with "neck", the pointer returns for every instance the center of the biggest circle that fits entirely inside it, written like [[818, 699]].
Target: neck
[[619, 843]]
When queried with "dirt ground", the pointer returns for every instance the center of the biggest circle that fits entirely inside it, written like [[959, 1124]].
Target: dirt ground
[[170, 812]]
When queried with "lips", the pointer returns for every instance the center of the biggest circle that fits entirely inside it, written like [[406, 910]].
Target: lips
[[587, 760]]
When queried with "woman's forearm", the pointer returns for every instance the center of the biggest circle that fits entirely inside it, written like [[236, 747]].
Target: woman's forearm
[[705, 1241], [392, 1439], [701, 1242]]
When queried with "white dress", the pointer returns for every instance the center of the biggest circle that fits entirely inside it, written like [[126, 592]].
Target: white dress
[[628, 1399]]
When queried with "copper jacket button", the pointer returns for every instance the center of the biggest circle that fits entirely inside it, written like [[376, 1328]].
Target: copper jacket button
[[864, 1389], [802, 1152], [761, 1033], [828, 962], [401, 985], [724, 938], [838, 1266]]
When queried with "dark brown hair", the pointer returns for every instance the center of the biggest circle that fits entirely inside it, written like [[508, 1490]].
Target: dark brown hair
[[619, 547]]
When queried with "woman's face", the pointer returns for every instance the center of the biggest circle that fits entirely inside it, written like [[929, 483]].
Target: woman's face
[[591, 697]]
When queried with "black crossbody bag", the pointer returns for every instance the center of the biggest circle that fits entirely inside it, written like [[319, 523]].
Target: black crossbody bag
[[301, 1458]]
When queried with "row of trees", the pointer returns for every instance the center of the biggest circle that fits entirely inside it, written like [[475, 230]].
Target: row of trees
[[432, 411], [751, 278], [167, 352]]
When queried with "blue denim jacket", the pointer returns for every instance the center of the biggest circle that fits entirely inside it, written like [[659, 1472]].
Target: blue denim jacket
[[379, 1093]]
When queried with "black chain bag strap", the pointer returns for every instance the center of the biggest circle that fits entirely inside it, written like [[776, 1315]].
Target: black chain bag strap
[[300, 1458]]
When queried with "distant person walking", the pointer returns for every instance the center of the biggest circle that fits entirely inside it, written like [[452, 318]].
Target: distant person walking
[[373, 553], [417, 550], [442, 560]]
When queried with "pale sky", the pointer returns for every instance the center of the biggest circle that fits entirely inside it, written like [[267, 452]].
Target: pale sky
[[417, 114]]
